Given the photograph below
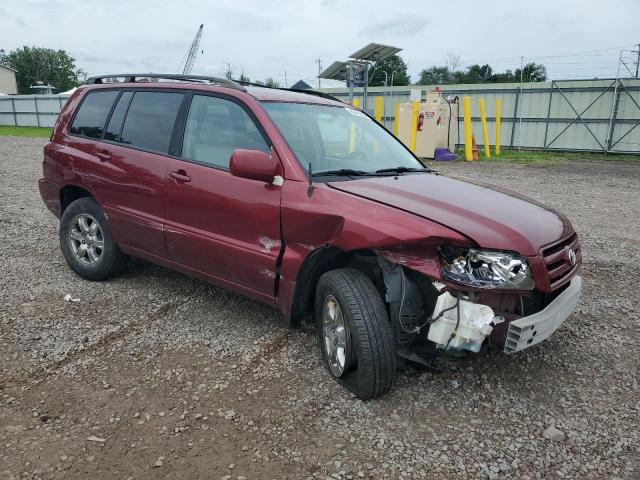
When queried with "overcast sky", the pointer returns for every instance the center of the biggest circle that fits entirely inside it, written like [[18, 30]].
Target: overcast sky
[[574, 38]]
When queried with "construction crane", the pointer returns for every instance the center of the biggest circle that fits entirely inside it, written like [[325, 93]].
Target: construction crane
[[191, 53]]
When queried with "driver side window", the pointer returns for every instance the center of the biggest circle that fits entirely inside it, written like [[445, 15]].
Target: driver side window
[[215, 127], [343, 137]]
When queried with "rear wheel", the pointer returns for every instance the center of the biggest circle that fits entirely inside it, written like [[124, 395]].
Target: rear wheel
[[86, 242], [356, 340]]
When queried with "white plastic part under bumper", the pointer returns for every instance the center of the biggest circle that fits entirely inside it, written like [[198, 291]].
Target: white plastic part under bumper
[[528, 331]]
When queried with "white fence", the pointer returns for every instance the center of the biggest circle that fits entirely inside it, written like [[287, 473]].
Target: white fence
[[31, 110]]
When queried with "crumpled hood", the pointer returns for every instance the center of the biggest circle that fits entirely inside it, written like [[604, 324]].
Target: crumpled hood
[[490, 216]]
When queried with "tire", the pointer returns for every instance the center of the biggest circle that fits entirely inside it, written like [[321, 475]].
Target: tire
[[86, 242], [369, 359]]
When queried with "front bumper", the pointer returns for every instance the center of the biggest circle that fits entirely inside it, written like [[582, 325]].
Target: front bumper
[[527, 331]]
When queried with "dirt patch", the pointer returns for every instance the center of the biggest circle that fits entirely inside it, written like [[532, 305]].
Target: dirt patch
[[156, 375]]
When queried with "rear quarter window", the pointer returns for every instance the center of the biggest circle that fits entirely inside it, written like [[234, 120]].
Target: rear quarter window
[[117, 117], [92, 114], [150, 120]]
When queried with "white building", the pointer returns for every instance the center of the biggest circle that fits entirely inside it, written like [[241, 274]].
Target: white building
[[8, 84]]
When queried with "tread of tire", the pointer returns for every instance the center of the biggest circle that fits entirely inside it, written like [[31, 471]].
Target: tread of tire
[[372, 328]]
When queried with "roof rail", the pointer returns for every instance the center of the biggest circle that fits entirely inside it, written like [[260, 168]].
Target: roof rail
[[316, 93], [297, 90], [131, 78]]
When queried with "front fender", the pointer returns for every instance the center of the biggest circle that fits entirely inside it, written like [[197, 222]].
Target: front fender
[[334, 221]]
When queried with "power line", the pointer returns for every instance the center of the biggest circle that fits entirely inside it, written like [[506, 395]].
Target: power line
[[556, 63]]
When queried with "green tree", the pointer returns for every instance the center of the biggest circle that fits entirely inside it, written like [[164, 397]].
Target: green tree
[[531, 72], [444, 75], [436, 76], [270, 82], [229, 71], [475, 74], [393, 64], [504, 77], [33, 64]]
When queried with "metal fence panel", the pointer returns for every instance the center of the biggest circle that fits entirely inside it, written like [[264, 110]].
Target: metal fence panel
[[578, 115], [27, 120], [31, 110]]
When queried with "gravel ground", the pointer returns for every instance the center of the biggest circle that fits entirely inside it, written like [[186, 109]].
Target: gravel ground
[[156, 375]]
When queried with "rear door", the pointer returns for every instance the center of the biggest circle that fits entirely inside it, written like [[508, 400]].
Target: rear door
[[130, 176], [217, 224]]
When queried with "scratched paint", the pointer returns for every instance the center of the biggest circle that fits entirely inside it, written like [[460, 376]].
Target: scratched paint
[[266, 243], [268, 273]]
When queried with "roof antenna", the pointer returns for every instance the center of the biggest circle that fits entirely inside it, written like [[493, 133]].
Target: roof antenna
[[310, 189]]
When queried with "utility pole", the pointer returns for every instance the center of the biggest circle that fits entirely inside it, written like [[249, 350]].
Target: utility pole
[[520, 119], [319, 61], [638, 61], [350, 67], [614, 107], [285, 79]]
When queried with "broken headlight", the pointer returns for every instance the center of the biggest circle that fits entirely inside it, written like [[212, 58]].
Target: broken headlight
[[485, 268]]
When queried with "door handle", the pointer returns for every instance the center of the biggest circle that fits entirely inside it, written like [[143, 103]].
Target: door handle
[[103, 156], [180, 176]]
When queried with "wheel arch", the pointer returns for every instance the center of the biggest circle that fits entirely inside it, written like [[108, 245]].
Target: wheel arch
[[320, 261], [69, 193]]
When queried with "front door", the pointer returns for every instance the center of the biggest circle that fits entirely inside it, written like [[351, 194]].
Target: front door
[[217, 224]]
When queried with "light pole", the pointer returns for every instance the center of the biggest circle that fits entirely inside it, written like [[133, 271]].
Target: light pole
[[384, 99]]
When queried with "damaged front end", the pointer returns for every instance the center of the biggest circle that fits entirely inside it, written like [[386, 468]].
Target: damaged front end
[[458, 299]]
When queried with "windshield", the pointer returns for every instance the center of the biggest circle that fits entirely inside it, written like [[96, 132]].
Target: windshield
[[337, 138]]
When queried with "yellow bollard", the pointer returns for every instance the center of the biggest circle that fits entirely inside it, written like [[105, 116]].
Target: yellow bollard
[[498, 105], [468, 148], [413, 137], [485, 133], [377, 112], [396, 118], [352, 130]]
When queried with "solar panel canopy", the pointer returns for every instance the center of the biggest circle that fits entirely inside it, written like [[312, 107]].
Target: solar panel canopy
[[374, 52], [340, 70]]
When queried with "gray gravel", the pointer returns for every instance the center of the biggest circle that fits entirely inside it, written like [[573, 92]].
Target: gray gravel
[[154, 374]]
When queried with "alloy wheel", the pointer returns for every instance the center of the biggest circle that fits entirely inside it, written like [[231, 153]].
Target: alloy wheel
[[336, 337], [86, 239]]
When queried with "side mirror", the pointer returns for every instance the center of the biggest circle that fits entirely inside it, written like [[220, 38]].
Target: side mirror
[[253, 164]]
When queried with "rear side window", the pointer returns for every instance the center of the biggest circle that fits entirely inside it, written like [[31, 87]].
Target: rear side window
[[150, 119], [93, 113], [215, 127], [115, 122]]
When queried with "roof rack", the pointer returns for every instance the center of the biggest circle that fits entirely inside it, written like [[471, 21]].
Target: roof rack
[[131, 78], [297, 90], [316, 93]]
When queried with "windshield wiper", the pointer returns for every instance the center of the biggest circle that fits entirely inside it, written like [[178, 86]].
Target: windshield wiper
[[403, 170], [347, 172], [350, 172]]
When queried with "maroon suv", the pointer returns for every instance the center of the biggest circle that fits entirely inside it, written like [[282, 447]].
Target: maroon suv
[[304, 203]]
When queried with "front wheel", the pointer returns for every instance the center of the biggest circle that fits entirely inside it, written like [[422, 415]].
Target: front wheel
[[356, 339]]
